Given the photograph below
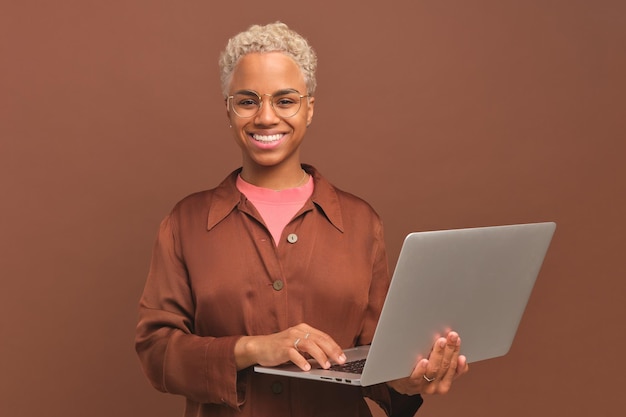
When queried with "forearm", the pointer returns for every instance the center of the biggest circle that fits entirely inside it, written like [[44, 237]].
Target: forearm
[[200, 368]]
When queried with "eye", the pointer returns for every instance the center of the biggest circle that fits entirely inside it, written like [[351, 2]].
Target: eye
[[286, 101], [246, 102]]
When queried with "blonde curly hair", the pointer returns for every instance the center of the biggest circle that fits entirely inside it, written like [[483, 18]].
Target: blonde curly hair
[[274, 37]]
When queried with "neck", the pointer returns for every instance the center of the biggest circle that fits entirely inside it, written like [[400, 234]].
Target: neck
[[275, 179]]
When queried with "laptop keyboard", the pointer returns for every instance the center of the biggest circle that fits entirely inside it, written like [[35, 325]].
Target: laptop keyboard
[[354, 367]]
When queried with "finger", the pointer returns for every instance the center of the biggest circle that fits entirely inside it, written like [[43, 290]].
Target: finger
[[309, 347], [316, 344], [450, 353], [438, 364], [422, 373], [299, 360], [435, 357], [462, 366], [323, 348], [424, 379], [419, 370], [450, 364]]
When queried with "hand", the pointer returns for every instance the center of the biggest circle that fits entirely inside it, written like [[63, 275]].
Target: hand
[[435, 374], [278, 348]]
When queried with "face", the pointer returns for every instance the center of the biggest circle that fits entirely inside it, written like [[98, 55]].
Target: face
[[267, 140]]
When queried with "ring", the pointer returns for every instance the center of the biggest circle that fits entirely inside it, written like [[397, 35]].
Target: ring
[[295, 344], [429, 380]]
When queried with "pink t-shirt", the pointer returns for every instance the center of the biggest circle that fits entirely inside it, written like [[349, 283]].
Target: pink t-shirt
[[277, 208]]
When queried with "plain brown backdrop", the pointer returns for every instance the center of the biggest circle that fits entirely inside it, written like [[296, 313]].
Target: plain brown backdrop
[[441, 114]]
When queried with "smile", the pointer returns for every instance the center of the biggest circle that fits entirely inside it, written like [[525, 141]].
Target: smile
[[267, 138]]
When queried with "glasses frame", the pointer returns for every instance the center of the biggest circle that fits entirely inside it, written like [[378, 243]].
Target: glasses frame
[[230, 101]]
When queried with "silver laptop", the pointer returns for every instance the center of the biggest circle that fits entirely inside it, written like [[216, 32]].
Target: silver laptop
[[474, 281]]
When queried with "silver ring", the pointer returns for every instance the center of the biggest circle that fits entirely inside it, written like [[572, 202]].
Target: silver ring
[[295, 344], [429, 380]]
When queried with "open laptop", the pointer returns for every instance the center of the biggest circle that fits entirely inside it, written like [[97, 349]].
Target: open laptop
[[474, 281]]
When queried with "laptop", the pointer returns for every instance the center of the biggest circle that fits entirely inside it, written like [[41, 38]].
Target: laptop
[[474, 281]]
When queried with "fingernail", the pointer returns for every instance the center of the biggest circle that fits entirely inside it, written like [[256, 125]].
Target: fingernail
[[307, 367], [327, 365], [342, 358]]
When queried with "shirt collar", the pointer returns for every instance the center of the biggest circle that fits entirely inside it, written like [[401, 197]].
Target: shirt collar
[[325, 197], [227, 197]]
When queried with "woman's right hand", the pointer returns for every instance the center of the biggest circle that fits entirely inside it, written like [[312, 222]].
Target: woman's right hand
[[294, 344]]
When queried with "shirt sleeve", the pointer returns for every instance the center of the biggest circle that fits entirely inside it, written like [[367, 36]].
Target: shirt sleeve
[[379, 285], [393, 403], [174, 359]]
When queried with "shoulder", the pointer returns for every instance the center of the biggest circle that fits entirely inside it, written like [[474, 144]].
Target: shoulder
[[354, 202], [358, 213], [330, 193], [344, 209], [193, 206], [194, 201], [199, 205]]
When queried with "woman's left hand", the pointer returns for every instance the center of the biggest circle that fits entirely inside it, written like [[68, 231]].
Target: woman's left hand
[[435, 374]]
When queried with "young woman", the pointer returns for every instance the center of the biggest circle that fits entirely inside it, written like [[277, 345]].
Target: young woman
[[273, 265]]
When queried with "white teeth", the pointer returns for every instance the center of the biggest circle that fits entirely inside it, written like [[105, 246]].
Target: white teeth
[[267, 138]]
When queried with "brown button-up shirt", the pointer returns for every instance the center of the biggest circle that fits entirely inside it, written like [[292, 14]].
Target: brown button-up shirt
[[217, 275]]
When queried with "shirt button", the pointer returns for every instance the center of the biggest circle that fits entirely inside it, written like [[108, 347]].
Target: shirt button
[[278, 285], [292, 238], [277, 387]]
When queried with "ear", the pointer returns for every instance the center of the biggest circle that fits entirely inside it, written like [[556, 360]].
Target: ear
[[310, 110], [228, 113]]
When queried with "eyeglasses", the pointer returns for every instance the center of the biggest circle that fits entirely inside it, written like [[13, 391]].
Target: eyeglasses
[[247, 103]]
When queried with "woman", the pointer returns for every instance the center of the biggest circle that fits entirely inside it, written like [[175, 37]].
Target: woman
[[273, 265]]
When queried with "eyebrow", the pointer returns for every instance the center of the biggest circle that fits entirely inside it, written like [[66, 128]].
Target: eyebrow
[[275, 93]]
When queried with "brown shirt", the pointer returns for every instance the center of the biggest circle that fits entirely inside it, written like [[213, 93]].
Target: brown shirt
[[217, 275]]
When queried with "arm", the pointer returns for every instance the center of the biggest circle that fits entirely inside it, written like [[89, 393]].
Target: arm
[[174, 359]]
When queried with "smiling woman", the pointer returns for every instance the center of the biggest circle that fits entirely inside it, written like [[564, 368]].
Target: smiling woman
[[274, 265]]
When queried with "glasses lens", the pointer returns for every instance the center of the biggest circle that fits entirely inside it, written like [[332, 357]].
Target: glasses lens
[[286, 105], [245, 105]]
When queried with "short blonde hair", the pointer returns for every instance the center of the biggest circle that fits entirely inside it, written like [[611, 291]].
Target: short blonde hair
[[274, 37]]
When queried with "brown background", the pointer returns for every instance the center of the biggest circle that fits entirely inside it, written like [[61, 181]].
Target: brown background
[[442, 114]]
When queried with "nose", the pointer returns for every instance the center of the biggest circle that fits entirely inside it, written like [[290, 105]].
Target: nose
[[266, 114]]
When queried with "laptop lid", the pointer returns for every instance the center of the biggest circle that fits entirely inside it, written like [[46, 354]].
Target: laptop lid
[[475, 281]]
